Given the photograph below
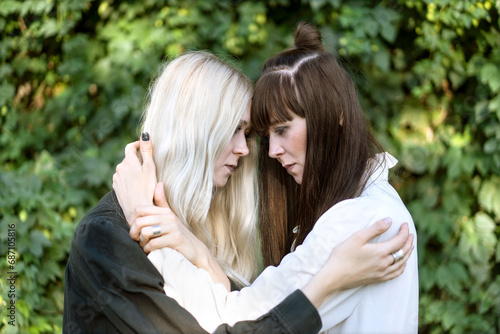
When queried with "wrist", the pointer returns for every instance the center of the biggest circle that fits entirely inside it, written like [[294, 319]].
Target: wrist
[[201, 257], [210, 264], [129, 216], [320, 287]]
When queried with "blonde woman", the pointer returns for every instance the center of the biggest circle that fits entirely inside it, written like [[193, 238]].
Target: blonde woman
[[110, 285], [196, 107], [199, 121]]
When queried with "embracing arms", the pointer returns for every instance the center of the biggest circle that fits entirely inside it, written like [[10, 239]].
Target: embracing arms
[[111, 286], [135, 182]]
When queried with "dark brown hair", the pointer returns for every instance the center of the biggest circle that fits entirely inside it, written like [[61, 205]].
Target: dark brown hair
[[308, 82]]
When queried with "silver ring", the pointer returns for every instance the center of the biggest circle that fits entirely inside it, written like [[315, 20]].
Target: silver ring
[[398, 255], [156, 229]]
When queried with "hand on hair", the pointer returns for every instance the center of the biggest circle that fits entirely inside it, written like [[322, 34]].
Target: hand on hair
[[173, 234], [134, 183], [357, 262]]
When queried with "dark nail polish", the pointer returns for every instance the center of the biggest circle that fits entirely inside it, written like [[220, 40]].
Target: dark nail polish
[[145, 136]]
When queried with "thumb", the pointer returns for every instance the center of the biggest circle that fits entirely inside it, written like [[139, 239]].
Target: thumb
[[146, 148], [159, 196]]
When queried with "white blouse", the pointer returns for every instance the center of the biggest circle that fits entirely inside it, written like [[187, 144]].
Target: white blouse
[[388, 307]]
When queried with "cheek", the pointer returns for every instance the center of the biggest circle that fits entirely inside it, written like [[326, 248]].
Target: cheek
[[222, 158], [299, 143], [303, 143]]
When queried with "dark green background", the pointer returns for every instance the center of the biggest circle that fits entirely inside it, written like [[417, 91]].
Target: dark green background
[[73, 79]]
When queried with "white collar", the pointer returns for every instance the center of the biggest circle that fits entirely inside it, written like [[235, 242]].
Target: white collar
[[382, 162]]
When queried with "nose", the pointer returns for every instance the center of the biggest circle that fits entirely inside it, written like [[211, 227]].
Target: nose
[[241, 147], [275, 149]]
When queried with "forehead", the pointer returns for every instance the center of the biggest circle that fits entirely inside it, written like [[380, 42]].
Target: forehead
[[245, 119]]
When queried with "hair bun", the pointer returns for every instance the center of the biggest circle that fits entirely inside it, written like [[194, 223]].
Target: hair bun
[[308, 37]]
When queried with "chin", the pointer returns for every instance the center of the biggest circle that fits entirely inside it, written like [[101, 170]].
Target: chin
[[220, 183]]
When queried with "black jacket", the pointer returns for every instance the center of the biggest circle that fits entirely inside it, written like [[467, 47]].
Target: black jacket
[[112, 287]]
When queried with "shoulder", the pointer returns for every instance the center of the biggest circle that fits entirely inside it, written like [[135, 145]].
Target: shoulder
[[102, 228], [354, 208], [107, 208], [355, 214]]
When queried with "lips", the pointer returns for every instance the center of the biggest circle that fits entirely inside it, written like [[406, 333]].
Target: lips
[[231, 167], [289, 167]]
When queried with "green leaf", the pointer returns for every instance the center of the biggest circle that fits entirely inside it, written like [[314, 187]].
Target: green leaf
[[49, 28], [7, 92], [494, 106], [37, 242], [490, 75], [382, 59], [453, 159], [388, 32], [491, 146], [9, 7], [489, 195]]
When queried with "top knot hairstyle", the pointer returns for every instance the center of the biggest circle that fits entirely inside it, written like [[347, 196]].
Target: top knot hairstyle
[[306, 81], [308, 38]]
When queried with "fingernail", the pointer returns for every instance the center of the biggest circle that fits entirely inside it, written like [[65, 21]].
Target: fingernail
[[388, 220], [145, 136]]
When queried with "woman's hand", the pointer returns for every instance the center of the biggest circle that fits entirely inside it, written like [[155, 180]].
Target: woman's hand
[[134, 183], [357, 262], [172, 233]]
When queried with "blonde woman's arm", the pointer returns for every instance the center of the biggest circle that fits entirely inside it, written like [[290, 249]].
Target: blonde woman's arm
[[136, 189]]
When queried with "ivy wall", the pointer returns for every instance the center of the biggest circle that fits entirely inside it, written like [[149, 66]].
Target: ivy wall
[[73, 79]]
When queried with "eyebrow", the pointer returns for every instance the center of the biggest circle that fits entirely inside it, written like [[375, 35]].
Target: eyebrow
[[274, 123]]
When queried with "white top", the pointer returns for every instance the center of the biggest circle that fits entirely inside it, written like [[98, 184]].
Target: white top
[[388, 307]]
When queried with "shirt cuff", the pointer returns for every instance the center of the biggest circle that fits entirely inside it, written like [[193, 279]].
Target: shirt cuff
[[297, 314]]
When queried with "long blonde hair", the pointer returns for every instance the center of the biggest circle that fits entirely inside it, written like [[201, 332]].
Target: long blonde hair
[[195, 107]]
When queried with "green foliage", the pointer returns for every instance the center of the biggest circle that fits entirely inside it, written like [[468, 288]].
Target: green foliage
[[74, 75]]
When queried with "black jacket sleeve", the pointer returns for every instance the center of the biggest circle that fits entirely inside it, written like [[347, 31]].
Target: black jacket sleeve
[[294, 315], [112, 287]]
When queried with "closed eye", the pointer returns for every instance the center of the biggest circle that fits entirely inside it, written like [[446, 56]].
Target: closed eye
[[279, 130], [248, 134]]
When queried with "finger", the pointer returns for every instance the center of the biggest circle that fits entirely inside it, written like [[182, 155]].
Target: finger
[[142, 222], [146, 149], [146, 239], [167, 238], [397, 242], [147, 233], [131, 149], [147, 210], [374, 230], [396, 267], [155, 243], [395, 273], [159, 196], [408, 249], [408, 245]]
